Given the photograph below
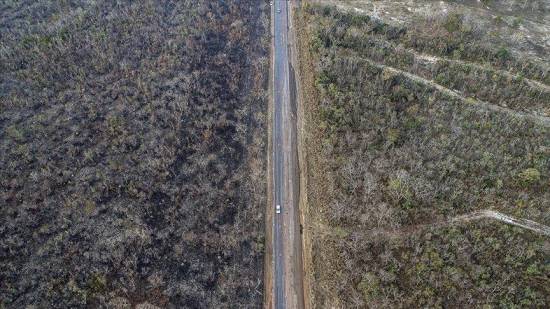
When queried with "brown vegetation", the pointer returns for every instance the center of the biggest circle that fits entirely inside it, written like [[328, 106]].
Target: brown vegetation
[[388, 151]]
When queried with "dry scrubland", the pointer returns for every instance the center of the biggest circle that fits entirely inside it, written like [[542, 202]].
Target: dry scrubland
[[409, 125], [132, 153]]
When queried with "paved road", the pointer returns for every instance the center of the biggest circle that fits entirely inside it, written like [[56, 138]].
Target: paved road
[[288, 286]]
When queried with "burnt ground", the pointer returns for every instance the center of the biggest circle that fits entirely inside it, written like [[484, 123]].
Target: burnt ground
[[132, 153]]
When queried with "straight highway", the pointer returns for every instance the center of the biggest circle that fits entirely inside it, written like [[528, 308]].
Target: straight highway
[[287, 263]]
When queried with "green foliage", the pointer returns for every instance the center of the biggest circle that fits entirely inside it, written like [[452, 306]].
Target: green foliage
[[369, 286], [333, 91], [533, 270], [97, 284], [15, 133], [340, 232], [115, 125], [400, 190], [528, 177], [393, 135], [359, 19], [441, 79], [503, 54], [517, 22], [315, 44], [453, 23], [323, 79]]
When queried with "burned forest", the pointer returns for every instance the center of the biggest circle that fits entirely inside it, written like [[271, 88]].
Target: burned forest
[[132, 153]]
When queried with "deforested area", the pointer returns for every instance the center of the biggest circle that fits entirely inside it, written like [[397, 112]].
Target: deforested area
[[418, 128], [132, 153]]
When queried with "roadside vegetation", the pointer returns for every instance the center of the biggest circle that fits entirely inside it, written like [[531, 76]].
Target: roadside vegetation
[[132, 153], [408, 126]]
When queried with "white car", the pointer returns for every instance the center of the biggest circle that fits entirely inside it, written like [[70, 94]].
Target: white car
[[278, 209]]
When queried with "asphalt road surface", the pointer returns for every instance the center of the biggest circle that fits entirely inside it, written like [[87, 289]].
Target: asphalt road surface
[[287, 285]]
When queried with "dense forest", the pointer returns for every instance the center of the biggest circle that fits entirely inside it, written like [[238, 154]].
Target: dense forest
[[132, 153], [410, 132]]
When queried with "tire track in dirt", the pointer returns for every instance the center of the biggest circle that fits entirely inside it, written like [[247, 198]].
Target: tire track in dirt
[[326, 230]]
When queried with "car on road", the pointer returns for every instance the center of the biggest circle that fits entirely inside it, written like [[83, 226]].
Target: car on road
[[278, 209], [278, 10]]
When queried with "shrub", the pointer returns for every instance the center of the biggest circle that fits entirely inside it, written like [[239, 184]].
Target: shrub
[[453, 22], [340, 232], [369, 286], [517, 22], [97, 284], [400, 190], [393, 135], [528, 177], [15, 133], [503, 54]]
